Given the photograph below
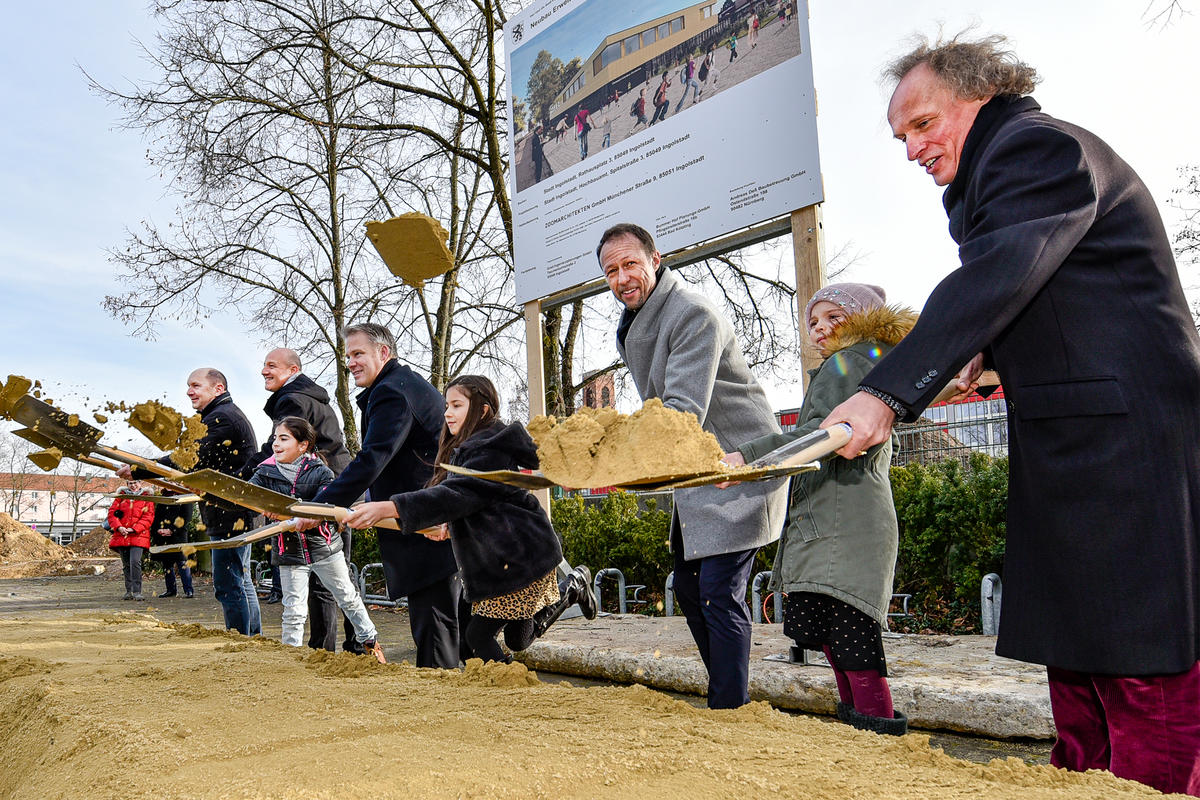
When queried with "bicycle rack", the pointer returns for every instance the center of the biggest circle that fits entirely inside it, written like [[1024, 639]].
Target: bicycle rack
[[623, 599], [989, 603], [376, 599], [760, 580]]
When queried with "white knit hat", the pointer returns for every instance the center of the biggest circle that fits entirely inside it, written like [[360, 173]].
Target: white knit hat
[[853, 297]]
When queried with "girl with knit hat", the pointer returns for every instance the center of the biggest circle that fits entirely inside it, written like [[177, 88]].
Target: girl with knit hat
[[837, 556]]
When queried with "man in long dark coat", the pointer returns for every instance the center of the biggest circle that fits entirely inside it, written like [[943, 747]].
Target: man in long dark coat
[[1069, 289], [401, 424]]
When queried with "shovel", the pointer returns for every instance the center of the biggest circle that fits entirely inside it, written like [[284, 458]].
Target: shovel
[[266, 531], [48, 457], [74, 437], [792, 458]]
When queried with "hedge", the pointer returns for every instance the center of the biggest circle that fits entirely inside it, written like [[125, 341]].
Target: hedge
[[951, 518]]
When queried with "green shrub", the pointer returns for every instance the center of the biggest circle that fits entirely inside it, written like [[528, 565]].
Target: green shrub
[[612, 533], [364, 548], [952, 528]]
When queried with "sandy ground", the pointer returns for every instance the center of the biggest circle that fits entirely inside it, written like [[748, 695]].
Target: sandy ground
[[123, 706]]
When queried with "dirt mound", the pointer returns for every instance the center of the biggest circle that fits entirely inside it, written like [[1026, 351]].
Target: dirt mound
[[93, 544], [25, 553], [20, 544], [90, 704]]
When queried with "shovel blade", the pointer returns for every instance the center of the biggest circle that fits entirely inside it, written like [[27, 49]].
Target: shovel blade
[[61, 429]]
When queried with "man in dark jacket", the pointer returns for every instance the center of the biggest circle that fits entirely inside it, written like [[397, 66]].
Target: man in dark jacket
[[227, 443], [401, 424], [1069, 289], [294, 394]]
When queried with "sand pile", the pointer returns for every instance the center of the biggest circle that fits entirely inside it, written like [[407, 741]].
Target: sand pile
[[263, 720], [25, 553], [93, 544], [603, 447]]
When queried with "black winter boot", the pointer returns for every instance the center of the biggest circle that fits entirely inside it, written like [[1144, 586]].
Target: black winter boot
[[843, 712], [575, 588], [896, 726]]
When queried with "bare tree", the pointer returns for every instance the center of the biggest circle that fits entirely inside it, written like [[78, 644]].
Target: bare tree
[[16, 498], [1161, 13], [79, 489], [283, 129]]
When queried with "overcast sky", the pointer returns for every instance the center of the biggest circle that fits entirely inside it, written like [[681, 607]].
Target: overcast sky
[[73, 181]]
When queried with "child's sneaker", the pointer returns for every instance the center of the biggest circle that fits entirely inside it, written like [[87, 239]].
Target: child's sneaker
[[372, 648]]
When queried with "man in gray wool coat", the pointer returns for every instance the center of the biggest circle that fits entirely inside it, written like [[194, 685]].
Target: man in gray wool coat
[[680, 349]]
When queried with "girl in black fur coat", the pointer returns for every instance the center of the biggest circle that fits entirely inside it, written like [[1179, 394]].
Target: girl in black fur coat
[[503, 541]]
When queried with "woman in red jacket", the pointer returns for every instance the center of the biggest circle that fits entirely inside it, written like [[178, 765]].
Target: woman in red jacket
[[130, 519]]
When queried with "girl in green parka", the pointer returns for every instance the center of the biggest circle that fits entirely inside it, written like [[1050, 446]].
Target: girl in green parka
[[838, 552]]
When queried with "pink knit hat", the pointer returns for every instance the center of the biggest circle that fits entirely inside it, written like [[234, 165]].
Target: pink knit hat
[[853, 297]]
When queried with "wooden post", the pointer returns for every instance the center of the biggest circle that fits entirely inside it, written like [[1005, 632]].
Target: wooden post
[[537, 374], [808, 247]]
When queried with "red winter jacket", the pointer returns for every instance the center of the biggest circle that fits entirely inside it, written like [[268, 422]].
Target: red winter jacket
[[137, 515]]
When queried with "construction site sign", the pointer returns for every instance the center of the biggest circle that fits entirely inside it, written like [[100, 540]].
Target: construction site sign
[[692, 120]]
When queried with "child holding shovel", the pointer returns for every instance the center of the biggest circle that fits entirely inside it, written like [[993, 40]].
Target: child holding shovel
[[294, 470], [502, 538], [838, 553]]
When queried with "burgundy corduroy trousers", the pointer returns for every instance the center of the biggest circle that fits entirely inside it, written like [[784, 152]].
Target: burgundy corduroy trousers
[[1145, 729]]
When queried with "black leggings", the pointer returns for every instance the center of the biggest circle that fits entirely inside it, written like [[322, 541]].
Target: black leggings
[[481, 636]]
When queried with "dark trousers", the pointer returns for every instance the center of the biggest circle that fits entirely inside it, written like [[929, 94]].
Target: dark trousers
[[323, 613], [433, 616], [170, 566], [1144, 729], [131, 567], [712, 593], [481, 635]]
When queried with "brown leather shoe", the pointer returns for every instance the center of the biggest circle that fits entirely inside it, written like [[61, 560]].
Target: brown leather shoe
[[373, 649]]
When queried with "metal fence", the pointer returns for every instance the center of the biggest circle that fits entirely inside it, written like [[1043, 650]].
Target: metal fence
[[954, 431]]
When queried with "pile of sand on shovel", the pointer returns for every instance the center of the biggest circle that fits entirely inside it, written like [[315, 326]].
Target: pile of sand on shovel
[[594, 448]]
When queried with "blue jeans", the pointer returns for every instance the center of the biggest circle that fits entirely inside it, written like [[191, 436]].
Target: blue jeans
[[583, 148], [712, 593], [234, 587], [694, 85]]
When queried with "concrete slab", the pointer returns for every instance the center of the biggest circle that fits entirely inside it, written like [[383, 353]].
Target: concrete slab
[[952, 683]]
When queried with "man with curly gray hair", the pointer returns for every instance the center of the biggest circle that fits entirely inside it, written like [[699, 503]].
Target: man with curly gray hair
[[1068, 288]]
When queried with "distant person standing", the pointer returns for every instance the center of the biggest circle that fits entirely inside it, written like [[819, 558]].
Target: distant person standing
[[129, 520], [560, 130], [170, 527], [538, 153], [732, 47], [583, 126], [754, 30], [661, 102]]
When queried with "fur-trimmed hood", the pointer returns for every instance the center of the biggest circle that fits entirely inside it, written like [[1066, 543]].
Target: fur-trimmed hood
[[887, 325]]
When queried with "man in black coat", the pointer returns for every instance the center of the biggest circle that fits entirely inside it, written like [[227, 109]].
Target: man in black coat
[[294, 394], [401, 424], [227, 443], [1069, 289]]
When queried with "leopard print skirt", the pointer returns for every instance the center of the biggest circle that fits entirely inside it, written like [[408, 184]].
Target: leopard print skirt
[[521, 604]]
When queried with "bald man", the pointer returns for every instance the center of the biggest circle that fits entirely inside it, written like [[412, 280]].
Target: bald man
[[294, 394], [226, 445]]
